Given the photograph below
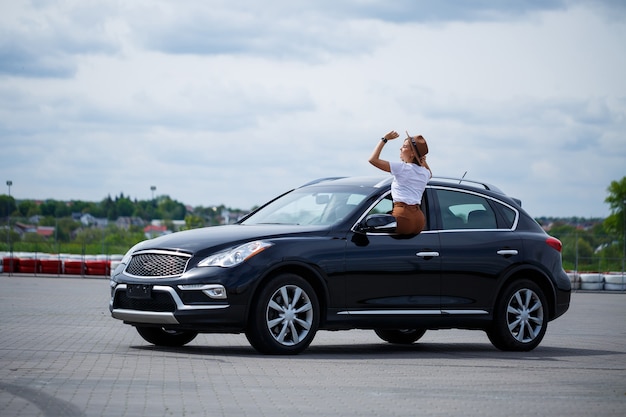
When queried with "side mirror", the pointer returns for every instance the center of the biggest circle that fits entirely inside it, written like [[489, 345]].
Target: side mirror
[[378, 222]]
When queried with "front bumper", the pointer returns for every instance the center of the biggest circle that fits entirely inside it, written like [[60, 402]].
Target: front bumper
[[174, 308]]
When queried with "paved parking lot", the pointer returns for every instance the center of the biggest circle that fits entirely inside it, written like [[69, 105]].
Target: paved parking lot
[[61, 354]]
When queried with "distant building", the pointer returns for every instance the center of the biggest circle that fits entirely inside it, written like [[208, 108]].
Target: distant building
[[46, 231], [35, 219], [153, 231], [176, 225], [126, 222], [89, 220], [23, 228]]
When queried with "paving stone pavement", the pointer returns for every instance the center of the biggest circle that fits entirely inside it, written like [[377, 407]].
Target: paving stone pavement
[[61, 354]]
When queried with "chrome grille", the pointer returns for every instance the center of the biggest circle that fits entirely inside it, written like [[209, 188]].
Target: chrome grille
[[157, 264]]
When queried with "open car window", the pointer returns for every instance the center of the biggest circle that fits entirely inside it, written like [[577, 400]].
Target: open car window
[[385, 206]]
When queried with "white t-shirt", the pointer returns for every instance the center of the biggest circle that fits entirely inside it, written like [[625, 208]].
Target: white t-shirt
[[409, 182]]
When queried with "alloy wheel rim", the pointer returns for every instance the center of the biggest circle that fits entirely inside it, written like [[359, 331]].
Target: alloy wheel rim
[[289, 315], [525, 315]]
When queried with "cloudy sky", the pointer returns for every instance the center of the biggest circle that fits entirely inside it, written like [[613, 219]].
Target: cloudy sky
[[235, 101]]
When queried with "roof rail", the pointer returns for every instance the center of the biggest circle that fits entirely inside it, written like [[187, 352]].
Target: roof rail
[[462, 180]]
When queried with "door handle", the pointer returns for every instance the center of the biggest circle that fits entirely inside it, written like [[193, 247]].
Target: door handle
[[507, 252], [427, 254]]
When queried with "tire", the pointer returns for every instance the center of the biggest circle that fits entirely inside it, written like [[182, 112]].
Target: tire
[[285, 316], [520, 318], [615, 279], [592, 286], [591, 278], [400, 336], [163, 337]]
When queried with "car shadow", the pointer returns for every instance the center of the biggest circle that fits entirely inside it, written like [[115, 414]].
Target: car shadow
[[382, 351]]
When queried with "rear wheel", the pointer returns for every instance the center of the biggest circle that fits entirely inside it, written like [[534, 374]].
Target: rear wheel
[[400, 336], [163, 337], [285, 316], [520, 317]]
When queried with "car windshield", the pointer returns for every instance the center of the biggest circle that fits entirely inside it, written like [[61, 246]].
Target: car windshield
[[308, 206]]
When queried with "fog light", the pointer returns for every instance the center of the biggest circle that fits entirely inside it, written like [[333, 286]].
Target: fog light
[[215, 291], [218, 293]]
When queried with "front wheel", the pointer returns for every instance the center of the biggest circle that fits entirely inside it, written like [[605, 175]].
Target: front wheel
[[520, 318], [285, 316], [400, 336], [163, 337]]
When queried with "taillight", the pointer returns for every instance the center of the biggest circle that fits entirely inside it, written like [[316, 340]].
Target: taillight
[[555, 243]]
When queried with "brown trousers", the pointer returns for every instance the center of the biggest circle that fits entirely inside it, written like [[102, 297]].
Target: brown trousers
[[410, 219]]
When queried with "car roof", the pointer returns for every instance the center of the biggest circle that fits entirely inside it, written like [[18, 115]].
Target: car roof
[[384, 181]]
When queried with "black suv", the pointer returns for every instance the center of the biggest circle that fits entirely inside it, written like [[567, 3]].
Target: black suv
[[326, 256]]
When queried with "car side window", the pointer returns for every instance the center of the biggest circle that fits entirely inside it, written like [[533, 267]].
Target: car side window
[[461, 210], [509, 216], [384, 206]]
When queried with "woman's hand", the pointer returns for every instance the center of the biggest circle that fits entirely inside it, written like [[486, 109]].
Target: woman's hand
[[375, 158], [391, 135]]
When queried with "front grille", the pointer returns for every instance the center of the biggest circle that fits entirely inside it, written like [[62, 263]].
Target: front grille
[[157, 264], [159, 301]]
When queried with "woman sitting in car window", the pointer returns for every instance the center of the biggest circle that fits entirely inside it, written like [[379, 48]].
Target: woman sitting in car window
[[410, 177]]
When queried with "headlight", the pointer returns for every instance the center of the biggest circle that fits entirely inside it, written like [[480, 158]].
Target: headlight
[[235, 256]]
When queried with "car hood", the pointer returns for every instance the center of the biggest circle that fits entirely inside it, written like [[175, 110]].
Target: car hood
[[219, 237]]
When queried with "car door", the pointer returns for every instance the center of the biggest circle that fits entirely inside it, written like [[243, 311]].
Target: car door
[[477, 245], [390, 275]]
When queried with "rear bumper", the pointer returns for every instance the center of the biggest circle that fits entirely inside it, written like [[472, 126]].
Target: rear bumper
[[563, 298]]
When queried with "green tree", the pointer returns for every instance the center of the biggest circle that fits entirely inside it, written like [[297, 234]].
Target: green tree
[[78, 206], [170, 209], [124, 207], [89, 235], [116, 237], [54, 208], [7, 206], [64, 227], [34, 238], [106, 209], [577, 252], [617, 202], [193, 222], [28, 208]]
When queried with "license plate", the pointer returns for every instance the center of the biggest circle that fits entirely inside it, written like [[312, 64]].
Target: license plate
[[140, 291]]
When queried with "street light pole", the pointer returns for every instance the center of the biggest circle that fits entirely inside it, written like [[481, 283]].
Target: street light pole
[[152, 188], [623, 238], [9, 184]]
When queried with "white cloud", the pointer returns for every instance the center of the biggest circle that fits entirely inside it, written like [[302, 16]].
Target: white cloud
[[219, 103]]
